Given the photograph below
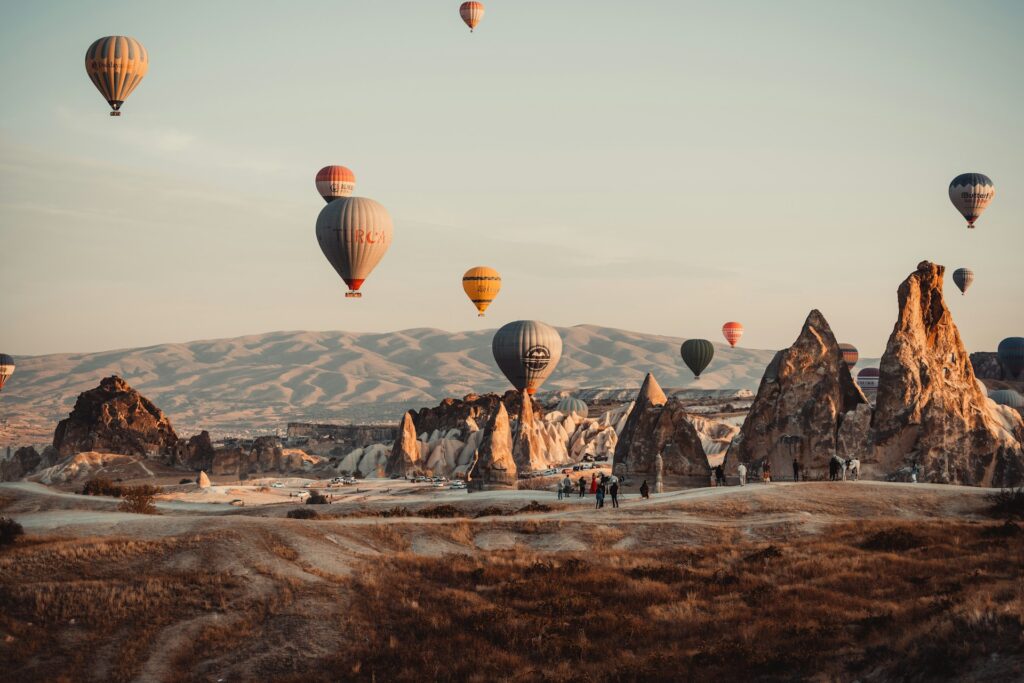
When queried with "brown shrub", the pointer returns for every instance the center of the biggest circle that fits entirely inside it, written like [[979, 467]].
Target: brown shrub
[[441, 512], [304, 513], [1007, 503], [139, 500], [9, 531]]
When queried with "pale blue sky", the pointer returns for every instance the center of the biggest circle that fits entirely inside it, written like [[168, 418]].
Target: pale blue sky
[[656, 166]]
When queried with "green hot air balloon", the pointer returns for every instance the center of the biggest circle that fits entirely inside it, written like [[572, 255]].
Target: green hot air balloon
[[697, 354], [1011, 355], [573, 406]]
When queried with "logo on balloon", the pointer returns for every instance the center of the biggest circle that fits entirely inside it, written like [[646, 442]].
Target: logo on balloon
[[537, 358]]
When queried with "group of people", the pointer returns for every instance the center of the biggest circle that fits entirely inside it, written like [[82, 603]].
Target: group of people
[[601, 487], [839, 469]]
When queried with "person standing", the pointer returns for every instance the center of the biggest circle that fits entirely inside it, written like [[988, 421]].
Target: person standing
[[914, 471], [599, 495], [583, 486], [645, 490], [766, 472], [742, 472], [614, 490], [796, 470], [593, 483], [719, 476], [566, 486]]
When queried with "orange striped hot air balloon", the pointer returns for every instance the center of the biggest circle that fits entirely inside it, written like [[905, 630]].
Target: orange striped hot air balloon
[[481, 285], [471, 13], [116, 65], [335, 181], [732, 333]]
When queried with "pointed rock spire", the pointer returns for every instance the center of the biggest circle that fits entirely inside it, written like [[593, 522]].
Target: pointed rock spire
[[495, 467], [405, 455]]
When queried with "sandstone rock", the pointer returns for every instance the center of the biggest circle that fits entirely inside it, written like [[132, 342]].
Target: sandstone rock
[[230, 461], [195, 454], [25, 461], [405, 456], [203, 481], [930, 409], [494, 466], [800, 405], [528, 448], [659, 426], [266, 455], [114, 418]]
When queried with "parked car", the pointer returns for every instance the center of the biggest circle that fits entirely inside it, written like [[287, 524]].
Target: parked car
[[277, 485], [457, 484]]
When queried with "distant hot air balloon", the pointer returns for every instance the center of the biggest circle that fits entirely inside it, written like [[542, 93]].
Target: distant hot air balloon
[[574, 407], [471, 13], [481, 285], [6, 368], [970, 194], [116, 65], [732, 332], [850, 354], [1007, 397], [697, 354], [868, 379], [1011, 355], [527, 351], [354, 233], [963, 277], [335, 181]]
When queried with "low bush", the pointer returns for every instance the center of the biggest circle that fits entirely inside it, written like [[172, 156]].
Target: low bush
[[138, 500], [441, 512], [187, 481], [892, 540], [1007, 503], [101, 486], [317, 498], [9, 531], [304, 513]]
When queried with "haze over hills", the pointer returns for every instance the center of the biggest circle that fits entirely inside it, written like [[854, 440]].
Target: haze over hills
[[260, 382]]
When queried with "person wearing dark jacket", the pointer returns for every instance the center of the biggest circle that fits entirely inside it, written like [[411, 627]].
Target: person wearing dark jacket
[[600, 495], [583, 487], [796, 470], [614, 490], [645, 490]]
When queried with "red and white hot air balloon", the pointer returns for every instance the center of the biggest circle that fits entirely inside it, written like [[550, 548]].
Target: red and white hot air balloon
[[732, 332], [333, 182], [471, 13]]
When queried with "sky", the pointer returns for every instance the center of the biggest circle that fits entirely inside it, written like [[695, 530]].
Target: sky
[[662, 167]]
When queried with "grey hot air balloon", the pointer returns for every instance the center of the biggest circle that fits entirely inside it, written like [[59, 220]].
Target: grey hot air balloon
[[6, 368], [573, 406], [527, 351], [963, 277], [1007, 397], [697, 354], [354, 233]]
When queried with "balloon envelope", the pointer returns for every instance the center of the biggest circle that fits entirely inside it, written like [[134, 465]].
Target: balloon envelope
[[354, 234], [333, 182], [850, 354], [573, 406], [963, 277], [471, 13], [697, 354], [868, 379], [6, 368], [116, 65], [527, 351], [1007, 397], [481, 285], [1011, 355], [971, 193], [732, 333]]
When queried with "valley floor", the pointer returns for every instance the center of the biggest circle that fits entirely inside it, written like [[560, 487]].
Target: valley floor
[[820, 581]]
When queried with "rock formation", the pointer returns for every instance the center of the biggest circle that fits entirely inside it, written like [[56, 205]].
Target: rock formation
[[804, 396], [114, 418], [494, 466], [203, 481], [528, 448], [930, 409], [25, 461], [195, 454], [406, 455], [657, 426]]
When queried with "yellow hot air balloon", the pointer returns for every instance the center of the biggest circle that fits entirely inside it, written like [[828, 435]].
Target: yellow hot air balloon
[[481, 284], [116, 64]]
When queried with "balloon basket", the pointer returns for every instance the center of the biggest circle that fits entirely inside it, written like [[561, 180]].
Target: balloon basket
[[353, 295], [115, 113], [480, 315]]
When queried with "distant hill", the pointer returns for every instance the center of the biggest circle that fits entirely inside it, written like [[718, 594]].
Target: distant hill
[[260, 382]]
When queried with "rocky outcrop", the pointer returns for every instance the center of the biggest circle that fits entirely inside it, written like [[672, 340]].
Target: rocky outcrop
[[659, 426], [114, 418], [406, 456], [805, 395], [26, 461], [929, 408], [264, 454], [474, 409], [493, 465], [203, 481], [528, 449], [196, 453]]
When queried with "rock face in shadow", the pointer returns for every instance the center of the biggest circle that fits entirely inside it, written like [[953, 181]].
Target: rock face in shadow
[[25, 461], [930, 409], [659, 426], [804, 396], [494, 466], [195, 454], [114, 418]]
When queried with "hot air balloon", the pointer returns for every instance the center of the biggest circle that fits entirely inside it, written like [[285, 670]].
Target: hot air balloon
[[697, 354], [732, 332], [1007, 397], [6, 368], [354, 233], [116, 65], [970, 194], [573, 407], [1011, 355], [527, 351], [963, 277], [471, 13], [850, 354], [335, 181], [481, 285], [868, 379]]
